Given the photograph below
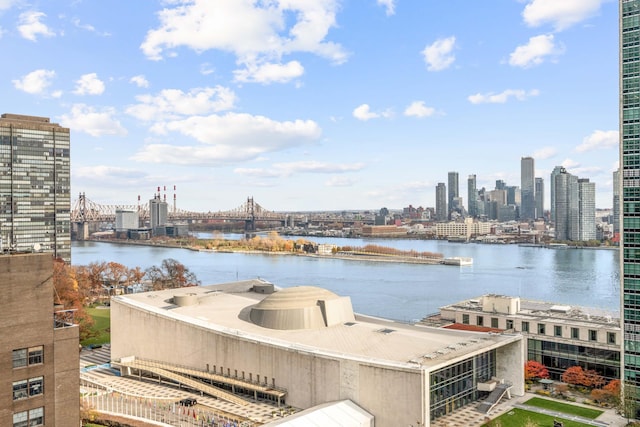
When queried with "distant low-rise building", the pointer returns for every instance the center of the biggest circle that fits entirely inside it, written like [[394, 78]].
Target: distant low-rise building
[[383, 231]]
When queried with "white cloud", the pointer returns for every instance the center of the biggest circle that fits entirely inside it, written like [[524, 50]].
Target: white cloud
[[206, 69], [255, 32], [87, 119], [599, 139], [389, 5], [340, 181], [418, 109], [561, 14], [227, 138], [363, 112], [569, 164], [270, 73], [89, 84], [7, 4], [30, 26], [438, 55], [139, 80], [501, 98], [36, 82], [104, 173], [174, 103], [545, 153], [535, 51], [290, 168]]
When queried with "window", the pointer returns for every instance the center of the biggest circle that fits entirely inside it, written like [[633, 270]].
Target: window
[[541, 328], [36, 386], [32, 387], [480, 321], [509, 324], [31, 418], [20, 390], [27, 356], [557, 330], [465, 319], [525, 326], [494, 322], [611, 337], [575, 333], [593, 335]]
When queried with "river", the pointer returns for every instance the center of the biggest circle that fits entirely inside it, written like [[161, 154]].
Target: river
[[406, 292]]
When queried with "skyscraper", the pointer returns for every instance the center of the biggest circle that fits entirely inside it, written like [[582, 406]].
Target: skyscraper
[[616, 202], [567, 211], [552, 191], [630, 215], [472, 196], [35, 198], [158, 212], [527, 188], [586, 210], [453, 191], [539, 197], [441, 202]]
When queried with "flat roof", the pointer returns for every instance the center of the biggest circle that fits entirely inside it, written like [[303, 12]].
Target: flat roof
[[224, 308]]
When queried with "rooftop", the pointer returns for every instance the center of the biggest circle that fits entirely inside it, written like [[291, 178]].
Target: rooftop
[[226, 308]]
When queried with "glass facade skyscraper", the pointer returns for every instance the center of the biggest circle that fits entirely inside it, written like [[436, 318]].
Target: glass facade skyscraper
[[629, 68], [34, 186], [527, 188]]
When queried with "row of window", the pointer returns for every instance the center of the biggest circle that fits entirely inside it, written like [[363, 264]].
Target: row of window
[[28, 356], [30, 418], [542, 329], [28, 388]]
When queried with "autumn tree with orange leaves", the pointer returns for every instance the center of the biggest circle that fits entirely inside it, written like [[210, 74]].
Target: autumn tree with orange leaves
[[67, 293], [534, 370]]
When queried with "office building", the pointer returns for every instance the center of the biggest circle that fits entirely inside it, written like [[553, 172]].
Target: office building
[[586, 209], [441, 202], [630, 186], [127, 219], [558, 336], [552, 191], [472, 196], [453, 192], [305, 347], [35, 197], [158, 213], [39, 356], [539, 197], [501, 185], [527, 188]]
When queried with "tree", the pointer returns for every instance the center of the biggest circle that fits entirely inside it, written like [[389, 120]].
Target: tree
[[573, 375], [67, 293], [171, 274], [593, 379], [534, 369]]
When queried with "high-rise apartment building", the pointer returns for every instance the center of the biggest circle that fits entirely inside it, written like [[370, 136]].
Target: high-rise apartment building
[[453, 189], [39, 356], [441, 202], [539, 197], [586, 209], [472, 196], [616, 202], [552, 191], [630, 186], [527, 188], [35, 197], [566, 208]]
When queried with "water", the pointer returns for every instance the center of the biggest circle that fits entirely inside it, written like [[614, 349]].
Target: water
[[585, 277]]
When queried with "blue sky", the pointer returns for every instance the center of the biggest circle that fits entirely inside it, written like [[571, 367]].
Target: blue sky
[[316, 105]]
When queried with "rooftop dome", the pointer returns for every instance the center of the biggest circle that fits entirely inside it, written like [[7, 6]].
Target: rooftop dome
[[302, 307]]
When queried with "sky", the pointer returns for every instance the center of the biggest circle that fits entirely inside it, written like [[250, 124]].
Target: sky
[[316, 104]]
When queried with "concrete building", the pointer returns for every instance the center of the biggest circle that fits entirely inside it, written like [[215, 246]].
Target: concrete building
[[566, 208], [305, 347], [39, 356], [158, 213], [454, 191], [539, 197], [441, 202], [127, 219], [586, 209], [472, 196], [465, 229], [552, 191], [629, 57], [35, 200], [527, 188], [558, 336]]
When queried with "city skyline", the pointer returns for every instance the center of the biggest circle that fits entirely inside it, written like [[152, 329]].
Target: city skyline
[[332, 105]]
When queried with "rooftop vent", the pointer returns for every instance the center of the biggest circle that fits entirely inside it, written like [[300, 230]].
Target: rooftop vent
[[386, 331]]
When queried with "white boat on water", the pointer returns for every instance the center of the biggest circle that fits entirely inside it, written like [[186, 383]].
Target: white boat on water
[[458, 260]]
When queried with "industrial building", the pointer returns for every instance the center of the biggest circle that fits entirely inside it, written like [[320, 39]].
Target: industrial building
[[304, 347], [558, 336], [38, 347]]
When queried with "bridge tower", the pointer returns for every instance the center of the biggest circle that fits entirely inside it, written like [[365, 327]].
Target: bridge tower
[[250, 221], [83, 224]]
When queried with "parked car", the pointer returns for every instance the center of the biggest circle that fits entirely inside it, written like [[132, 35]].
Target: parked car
[[188, 401]]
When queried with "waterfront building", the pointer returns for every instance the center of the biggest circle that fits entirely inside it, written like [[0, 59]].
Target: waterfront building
[[566, 207], [558, 336], [453, 189], [629, 67], [127, 219], [441, 202], [35, 200], [39, 356], [552, 191], [383, 231], [527, 188], [586, 209], [539, 197], [472, 196], [462, 229], [303, 346], [158, 212]]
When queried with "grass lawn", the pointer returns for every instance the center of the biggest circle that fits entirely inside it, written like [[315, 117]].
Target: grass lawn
[[564, 408], [519, 417], [101, 328]]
